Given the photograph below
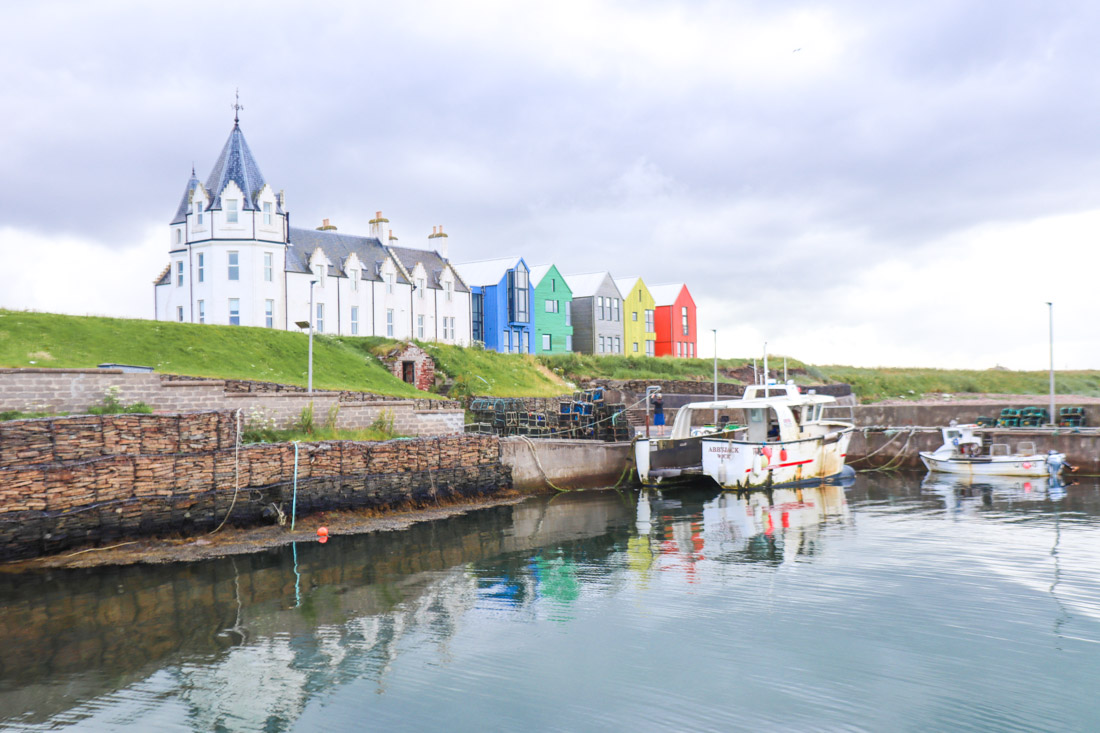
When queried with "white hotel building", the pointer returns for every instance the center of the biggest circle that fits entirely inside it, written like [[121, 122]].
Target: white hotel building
[[235, 259]]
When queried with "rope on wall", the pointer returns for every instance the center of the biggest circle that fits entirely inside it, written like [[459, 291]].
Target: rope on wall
[[237, 472]]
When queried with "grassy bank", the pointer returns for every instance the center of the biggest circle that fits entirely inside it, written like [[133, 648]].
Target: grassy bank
[[585, 366], [872, 384], [224, 352]]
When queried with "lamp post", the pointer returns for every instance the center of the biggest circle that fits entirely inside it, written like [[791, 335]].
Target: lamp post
[[715, 331], [1050, 309], [309, 324]]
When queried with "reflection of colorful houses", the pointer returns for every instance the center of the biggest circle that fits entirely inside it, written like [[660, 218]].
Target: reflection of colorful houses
[[553, 311], [500, 303], [639, 329], [675, 320]]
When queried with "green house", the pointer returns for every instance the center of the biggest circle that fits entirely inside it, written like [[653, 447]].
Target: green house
[[552, 310]]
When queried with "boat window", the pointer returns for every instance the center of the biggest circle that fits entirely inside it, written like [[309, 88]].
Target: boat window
[[810, 413], [952, 434], [756, 415]]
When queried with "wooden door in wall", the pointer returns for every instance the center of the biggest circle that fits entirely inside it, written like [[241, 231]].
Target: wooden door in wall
[[408, 371]]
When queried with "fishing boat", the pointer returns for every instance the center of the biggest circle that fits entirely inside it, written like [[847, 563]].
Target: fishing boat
[[773, 436], [964, 452]]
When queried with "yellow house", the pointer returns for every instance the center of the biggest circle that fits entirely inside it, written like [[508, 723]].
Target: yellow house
[[639, 333]]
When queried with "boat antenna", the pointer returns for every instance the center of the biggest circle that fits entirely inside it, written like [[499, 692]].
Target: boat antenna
[[765, 362], [755, 375], [1053, 419], [784, 370]]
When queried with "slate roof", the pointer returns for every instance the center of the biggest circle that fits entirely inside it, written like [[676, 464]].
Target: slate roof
[[586, 284], [185, 202], [433, 263], [235, 164], [337, 247], [666, 294], [487, 272]]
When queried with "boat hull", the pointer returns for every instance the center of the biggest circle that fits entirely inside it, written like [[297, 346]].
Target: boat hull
[[1032, 466], [743, 465]]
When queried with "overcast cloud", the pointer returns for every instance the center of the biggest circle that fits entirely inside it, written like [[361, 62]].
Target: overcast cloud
[[854, 182]]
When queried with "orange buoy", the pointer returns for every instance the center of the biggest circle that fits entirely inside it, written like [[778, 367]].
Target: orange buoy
[[783, 454], [323, 539], [322, 532]]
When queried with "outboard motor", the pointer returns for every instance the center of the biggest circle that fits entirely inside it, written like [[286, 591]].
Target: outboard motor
[[1055, 462]]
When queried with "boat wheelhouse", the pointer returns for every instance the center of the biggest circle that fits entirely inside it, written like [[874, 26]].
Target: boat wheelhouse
[[773, 436]]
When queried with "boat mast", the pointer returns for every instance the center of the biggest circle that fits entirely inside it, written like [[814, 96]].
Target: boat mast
[[765, 363], [1050, 308]]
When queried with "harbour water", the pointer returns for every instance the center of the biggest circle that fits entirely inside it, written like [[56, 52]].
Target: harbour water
[[900, 603]]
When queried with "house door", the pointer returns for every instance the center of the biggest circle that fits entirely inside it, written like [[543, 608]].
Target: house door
[[408, 371]]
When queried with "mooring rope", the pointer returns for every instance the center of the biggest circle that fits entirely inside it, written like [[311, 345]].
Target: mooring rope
[[236, 472]]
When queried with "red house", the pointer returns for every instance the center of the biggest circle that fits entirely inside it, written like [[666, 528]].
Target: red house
[[674, 320]]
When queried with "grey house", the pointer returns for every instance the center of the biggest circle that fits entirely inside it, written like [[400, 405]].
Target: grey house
[[597, 313]]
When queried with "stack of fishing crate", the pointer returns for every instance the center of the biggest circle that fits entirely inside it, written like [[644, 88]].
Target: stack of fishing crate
[[589, 416], [1010, 418], [507, 416], [1034, 417], [1072, 417]]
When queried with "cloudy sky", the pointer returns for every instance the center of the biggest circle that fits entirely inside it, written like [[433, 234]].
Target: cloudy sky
[[855, 182]]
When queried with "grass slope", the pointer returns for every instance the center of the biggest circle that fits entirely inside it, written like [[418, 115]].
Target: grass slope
[[227, 352], [581, 366], [480, 372], [886, 383]]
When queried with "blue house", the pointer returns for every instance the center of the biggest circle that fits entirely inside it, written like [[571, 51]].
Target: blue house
[[500, 303]]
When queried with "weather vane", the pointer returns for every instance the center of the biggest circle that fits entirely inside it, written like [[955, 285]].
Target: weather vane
[[237, 107]]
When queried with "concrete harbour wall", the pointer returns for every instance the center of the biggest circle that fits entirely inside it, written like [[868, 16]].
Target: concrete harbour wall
[[72, 481], [568, 464]]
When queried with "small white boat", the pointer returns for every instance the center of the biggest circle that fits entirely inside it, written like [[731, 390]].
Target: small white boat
[[773, 436], [963, 452]]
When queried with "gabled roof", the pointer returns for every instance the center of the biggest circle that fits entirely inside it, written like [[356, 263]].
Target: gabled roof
[[185, 202], [539, 273], [165, 276], [667, 293], [585, 285], [626, 284], [433, 262], [337, 247], [486, 272], [235, 164]]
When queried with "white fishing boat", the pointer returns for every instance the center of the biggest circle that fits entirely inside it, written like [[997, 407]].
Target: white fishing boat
[[773, 436], [964, 452]]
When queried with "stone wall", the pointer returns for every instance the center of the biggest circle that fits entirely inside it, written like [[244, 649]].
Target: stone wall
[[73, 481], [74, 390]]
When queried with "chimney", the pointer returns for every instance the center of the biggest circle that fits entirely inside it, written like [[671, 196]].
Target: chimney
[[376, 226], [282, 200], [440, 241], [326, 226], [392, 238]]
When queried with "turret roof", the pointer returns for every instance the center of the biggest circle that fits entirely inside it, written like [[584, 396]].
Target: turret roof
[[235, 164], [185, 202]]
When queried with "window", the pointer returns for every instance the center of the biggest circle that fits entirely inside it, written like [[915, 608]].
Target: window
[[635, 347], [639, 296], [389, 282], [618, 346], [267, 213], [179, 313], [179, 274], [569, 313], [551, 306], [546, 341], [599, 307], [518, 295], [234, 266], [353, 279], [477, 325], [320, 272], [506, 341], [601, 344], [202, 311], [691, 349], [269, 313], [447, 288], [179, 236], [649, 321], [650, 348], [634, 316], [389, 322], [320, 318], [453, 335], [234, 312], [684, 319], [420, 288], [231, 211], [202, 267], [267, 263], [618, 310], [526, 342], [553, 286], [198, 210], [420, 327], [568, 342], [355, 320]]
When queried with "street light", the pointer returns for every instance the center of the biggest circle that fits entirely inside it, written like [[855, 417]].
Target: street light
[[309, 324], [1050, 308]]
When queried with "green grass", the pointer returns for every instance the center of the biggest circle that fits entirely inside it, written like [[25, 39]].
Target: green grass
[[891, 383], [585, 366], [480, 372], [226, 352], [17, 415]]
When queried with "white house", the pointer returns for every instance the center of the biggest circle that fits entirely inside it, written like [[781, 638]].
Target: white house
[[235, 259]]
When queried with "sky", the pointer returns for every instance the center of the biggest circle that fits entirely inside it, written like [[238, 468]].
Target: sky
[[852, 182]]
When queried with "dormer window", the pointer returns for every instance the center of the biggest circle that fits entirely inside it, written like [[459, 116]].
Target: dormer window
[[231, 211], [389, 282], [420, 287], [320, 271], [267, 213], [353, 276], [447, 287], [198, 212]]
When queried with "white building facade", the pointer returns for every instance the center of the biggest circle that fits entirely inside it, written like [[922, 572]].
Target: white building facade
[[235, 260]]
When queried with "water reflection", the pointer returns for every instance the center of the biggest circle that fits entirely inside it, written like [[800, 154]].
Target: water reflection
[[258, 642]]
